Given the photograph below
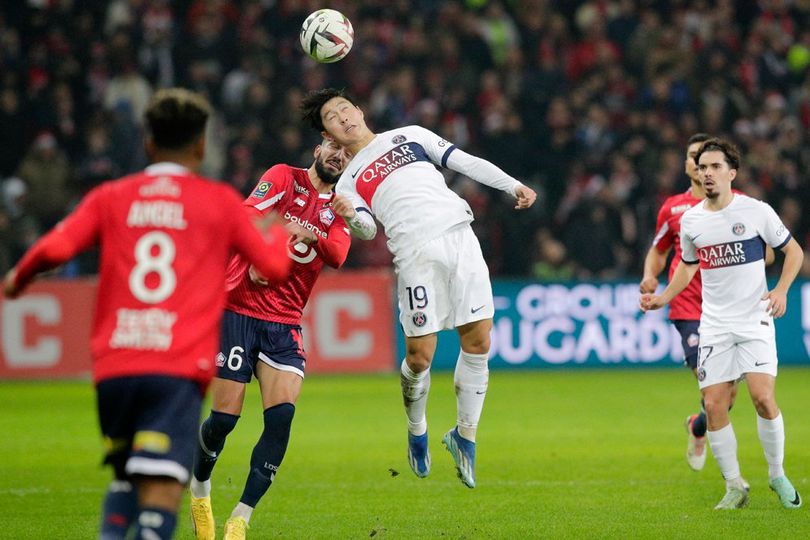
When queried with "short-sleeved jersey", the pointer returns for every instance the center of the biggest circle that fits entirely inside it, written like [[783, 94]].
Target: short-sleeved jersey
[[685, 306], [165, 237], [395, 176], [729, 244], [288, 192]]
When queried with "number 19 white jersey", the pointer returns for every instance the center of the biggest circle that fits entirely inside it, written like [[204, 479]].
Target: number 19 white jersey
[[729, 244], [395, 177]]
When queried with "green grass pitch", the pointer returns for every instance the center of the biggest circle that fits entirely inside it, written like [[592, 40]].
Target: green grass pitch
[[561, 454]]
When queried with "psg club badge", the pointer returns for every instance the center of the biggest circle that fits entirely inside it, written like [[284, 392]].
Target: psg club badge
[[327, 216], [398, 139], [738, 229], [261, 190], [220, 360], [701, 374], [419, 319]]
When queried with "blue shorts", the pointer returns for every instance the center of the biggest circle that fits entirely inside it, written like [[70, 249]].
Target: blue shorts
[[149, 424], [244, 341], [689, 340]]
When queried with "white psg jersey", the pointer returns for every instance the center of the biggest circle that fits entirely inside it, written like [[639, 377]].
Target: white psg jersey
[[729, 244], [395, 177]]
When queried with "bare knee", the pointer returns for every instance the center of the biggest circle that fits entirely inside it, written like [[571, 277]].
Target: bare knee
[[475, 337], [418, 358], [765, 404]]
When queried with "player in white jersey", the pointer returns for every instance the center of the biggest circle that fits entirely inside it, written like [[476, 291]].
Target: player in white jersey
[[725, 236], [442, 278]]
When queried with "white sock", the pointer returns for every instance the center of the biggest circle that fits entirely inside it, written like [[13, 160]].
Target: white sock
[[200, 489], [772, 437], [724, 448], [242, 510], [471, 379], [415, 387]]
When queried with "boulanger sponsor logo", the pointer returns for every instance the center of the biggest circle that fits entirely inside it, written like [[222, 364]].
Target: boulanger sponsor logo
[[305, 224]]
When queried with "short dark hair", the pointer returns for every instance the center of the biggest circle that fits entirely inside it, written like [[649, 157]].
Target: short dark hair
[[729, 150], [313, 102], [176, 117], [698, 137]]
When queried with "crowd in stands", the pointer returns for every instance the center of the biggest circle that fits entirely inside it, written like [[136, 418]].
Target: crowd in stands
[[590, 102]]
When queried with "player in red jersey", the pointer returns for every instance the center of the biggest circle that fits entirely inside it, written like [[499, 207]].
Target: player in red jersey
[[261, 332], [685, 309], [165, 236]]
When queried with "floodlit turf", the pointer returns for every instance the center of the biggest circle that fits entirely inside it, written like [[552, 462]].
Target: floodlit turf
[[595, 454]]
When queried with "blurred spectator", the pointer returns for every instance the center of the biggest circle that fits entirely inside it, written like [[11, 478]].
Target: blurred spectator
[[46, 171]]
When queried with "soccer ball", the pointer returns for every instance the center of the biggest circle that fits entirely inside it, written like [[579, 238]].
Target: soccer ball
[[327, 36]]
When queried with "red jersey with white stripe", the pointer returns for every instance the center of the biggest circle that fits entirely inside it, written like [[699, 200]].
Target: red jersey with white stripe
[[686, 305], [165, 237], [288, 192]]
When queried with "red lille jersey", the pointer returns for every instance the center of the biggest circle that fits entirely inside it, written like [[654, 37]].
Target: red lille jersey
[[686, 305], [165, 237], [288, 192]]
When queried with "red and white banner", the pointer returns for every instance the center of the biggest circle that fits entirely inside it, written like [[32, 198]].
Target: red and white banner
[[348, 327]]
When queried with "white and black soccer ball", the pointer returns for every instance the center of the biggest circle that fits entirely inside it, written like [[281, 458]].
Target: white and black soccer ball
[[327, 36]]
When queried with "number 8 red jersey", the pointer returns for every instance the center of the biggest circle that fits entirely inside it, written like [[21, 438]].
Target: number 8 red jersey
[[165, 236]]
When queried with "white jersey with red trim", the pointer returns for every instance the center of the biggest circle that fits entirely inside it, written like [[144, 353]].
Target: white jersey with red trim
[[395, 178], [729, 244]]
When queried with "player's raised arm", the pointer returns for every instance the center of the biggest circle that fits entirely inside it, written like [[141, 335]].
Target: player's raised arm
[[490, 175]]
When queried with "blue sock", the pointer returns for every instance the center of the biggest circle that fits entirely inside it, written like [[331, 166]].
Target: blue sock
[[154, 524], [211, 442], [699, 425], [118, 510], [268, 452]]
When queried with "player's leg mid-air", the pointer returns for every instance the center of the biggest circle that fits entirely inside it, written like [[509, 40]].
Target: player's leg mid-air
[[470, 381]]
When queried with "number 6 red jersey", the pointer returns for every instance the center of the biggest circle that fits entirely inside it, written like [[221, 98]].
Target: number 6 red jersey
[[165, 237], [288, 192]]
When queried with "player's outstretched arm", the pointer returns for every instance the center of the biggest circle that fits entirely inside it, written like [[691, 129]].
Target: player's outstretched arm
[[654, 263], [777, 297], [680, 279]]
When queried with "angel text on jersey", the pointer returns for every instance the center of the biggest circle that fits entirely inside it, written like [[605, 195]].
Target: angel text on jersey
[[731, 253], [392, 160], [156, 214], [305, 224]]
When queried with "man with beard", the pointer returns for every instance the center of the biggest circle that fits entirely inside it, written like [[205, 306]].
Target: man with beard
[[261, 332]]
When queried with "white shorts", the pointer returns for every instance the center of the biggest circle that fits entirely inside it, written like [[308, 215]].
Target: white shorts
[[727, 357], [445, 284]]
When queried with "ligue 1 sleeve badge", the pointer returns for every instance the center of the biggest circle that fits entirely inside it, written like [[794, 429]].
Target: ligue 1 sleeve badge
[[261, 190]]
